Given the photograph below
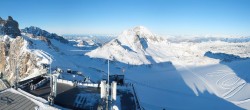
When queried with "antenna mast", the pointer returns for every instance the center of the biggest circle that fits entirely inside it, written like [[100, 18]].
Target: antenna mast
[[107, 89]]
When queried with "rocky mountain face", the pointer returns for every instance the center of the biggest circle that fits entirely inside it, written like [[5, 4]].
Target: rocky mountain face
[[39, 33], [14, 54], [9, 27]]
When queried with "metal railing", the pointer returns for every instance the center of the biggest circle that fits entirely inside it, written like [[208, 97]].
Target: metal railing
[[137, 101]]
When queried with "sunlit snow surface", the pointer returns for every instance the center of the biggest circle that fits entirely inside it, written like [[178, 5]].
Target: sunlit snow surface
[[183, 75]]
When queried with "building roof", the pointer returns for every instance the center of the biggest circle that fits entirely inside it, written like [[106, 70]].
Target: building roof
[[12, 101]]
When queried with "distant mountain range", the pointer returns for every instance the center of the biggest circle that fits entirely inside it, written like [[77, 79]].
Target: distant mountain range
[[230, 39]]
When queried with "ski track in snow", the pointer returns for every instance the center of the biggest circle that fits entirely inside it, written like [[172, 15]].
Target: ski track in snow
[[226, 81], [230, 89]]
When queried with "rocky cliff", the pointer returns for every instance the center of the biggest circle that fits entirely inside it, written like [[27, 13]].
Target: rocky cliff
[[14, 54], [19, 51], [9, 27]]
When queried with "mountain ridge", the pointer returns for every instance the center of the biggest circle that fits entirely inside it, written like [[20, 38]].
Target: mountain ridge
[[132, 46], [36, 32]]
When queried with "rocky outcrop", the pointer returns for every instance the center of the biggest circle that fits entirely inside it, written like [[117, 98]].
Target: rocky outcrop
[[2, 56], [1, 26], [13, 54], [9, 27]]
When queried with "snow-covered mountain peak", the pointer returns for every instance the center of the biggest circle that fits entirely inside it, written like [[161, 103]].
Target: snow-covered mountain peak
[[141, 30], [134, 46], [137, 33]]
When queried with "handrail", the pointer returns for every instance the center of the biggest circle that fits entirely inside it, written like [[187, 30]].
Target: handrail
[[3, 83], [78, 84], [137, 99]]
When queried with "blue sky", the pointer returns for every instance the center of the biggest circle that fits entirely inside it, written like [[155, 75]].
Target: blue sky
[[164, 17]]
